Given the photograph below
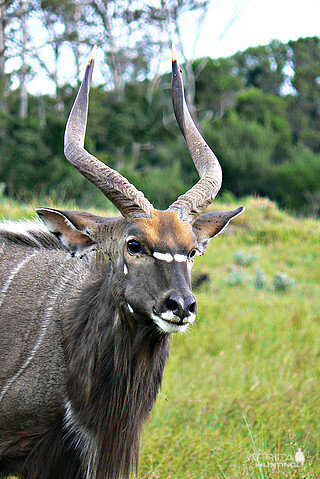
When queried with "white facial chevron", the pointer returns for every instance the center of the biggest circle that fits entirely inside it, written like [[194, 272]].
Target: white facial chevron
[[180, 258], [163, 256]]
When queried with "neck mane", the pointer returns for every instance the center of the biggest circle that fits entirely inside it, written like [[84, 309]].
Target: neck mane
[[115, 372]]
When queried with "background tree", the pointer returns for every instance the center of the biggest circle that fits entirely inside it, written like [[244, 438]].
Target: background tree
[[263, 66], [268, 142], [305, 105]]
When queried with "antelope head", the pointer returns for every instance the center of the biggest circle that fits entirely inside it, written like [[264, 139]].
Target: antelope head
[[151, 251]]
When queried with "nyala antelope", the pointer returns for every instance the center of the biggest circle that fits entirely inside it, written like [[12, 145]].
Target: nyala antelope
[[87, 306]]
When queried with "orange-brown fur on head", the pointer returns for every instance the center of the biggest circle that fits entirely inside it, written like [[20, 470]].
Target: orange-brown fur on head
[[165, 232]]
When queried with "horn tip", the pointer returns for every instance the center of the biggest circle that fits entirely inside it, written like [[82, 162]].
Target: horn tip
[[93, 54], [174, 53]]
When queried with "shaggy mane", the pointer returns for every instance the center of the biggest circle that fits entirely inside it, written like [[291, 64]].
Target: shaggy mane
[[30, 233]]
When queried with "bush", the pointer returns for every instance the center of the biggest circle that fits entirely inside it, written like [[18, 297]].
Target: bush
[[242, 259], [281, 282], [237, 277], [259, 279], [297, 179]]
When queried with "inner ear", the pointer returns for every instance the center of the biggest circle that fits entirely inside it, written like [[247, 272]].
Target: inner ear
[[210, 224], [75, 230]]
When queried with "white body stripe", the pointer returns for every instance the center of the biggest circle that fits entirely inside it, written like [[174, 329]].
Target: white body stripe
[[85, 443], [44, 326], [15, 270]]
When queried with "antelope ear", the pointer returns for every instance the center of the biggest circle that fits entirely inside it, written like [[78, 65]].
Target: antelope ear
[[211, 224], [74, 229]]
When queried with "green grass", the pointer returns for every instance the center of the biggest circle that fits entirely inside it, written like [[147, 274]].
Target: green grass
[[242, 386]]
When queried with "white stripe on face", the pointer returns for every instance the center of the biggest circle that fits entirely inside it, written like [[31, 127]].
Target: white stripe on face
[[125, 269], [163, 256], [181, 258]]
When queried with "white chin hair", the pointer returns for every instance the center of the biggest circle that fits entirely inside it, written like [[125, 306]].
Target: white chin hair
[[166, 327]]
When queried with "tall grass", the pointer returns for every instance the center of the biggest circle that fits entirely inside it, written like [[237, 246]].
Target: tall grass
[[241, 391]]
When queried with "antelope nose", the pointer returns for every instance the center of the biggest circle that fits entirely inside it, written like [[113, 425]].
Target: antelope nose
[[181, 307]]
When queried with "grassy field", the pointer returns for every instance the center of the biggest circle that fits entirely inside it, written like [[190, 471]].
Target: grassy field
[[241, 391]]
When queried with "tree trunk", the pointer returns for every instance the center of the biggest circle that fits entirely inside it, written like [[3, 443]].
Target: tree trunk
[[3, 78], [23, 110]]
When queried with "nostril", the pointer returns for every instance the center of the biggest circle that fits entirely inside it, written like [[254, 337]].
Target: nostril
[[179, 306], [172, 305], [193, 307]]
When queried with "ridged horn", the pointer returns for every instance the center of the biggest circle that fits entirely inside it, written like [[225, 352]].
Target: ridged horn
[[129, 201], [190, 205]]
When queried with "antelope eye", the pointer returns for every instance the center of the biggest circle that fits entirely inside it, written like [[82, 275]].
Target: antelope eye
[[192, 253], [134, 247]]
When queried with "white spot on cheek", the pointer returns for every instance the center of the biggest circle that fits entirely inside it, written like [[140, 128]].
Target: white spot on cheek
[[181, 258], [163, 256], [125, 269], [130, 309], [190, 319]]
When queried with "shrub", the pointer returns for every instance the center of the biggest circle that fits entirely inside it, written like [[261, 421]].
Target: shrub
[[237, 277], [259, 279], [281, 282], [200, 280], [242, 259]]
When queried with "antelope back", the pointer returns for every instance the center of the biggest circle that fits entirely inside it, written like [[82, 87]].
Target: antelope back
[[37, 279]]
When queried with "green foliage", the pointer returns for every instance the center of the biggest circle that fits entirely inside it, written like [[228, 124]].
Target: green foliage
[[162, 186], [296, 178], [263, 66], [267, 144], [305, 58], [217, 83], [245, 149], [269, 111]]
